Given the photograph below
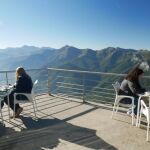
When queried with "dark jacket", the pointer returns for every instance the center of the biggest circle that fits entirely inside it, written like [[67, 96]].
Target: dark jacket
[[130, 88], [23, 85]]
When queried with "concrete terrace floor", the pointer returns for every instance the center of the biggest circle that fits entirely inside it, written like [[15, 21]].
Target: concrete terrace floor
[[70, 125]]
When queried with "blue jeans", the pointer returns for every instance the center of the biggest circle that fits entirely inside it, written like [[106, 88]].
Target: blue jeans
[[129, 101], [11, 102]]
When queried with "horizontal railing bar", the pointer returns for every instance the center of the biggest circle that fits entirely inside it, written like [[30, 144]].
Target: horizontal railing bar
[[69, 77], [40, 89], [70, 88], [82, 79], [3, 81], [72, 96], [70, 84], [100, 92], [66, 70], [72, 92], [4, 71], [102, 96], [100, 88], [90, 72]]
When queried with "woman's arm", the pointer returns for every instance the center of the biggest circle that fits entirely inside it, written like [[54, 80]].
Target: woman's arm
[[135, 88], [132, 87]]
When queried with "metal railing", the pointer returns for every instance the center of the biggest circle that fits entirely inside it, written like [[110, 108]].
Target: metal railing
[[74, 84], [86, 85], [83, 85]]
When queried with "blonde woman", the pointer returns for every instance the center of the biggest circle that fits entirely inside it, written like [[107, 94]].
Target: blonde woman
[[23, 85]]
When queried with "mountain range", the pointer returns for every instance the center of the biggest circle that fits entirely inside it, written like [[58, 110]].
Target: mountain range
[[109, 59]]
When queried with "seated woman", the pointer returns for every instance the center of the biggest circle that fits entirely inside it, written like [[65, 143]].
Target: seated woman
[[131, 86], [23, 85]]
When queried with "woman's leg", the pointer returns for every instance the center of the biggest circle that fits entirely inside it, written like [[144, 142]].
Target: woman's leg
[[126, 101], [136, 105], [11, 102], [129, 101]]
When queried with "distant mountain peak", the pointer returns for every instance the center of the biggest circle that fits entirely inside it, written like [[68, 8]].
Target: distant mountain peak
[[26, 46], [67, 47]]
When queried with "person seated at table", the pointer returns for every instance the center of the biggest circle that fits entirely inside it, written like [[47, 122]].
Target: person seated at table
[[131, 86], [23, 85]]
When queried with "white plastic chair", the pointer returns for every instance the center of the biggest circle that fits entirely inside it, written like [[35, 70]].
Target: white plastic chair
[[30, 99], [118, 99], [146, 112]]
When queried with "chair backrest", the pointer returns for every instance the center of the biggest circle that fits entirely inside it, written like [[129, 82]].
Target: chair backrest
[[34, 84], [116, 86], [143, 105], [29, 97], [145, 110]]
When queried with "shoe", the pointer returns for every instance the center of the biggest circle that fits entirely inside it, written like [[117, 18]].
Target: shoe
[[129, 113], [17, 114]]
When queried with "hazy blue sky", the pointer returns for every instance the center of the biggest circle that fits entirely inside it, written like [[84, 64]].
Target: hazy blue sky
[[82, 23]]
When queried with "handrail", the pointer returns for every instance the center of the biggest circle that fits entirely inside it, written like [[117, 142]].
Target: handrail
[[67, 70], [91, 72], [9, 71]]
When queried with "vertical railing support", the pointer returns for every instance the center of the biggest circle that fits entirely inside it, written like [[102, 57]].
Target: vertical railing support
[[83, 82], [49, 81], [8, 95], [6, 78]]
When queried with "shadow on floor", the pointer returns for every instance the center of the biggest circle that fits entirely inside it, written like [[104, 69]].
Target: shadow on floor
[[6, 131], [48, 132]]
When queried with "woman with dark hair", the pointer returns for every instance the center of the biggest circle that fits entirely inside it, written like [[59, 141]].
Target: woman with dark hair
[[131, 86], [23, 85]]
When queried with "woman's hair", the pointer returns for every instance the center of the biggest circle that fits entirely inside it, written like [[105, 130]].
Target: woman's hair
[[20, 72], [133, 75]]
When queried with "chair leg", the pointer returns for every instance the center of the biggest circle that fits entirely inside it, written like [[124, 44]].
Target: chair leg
[[35, 104], [8, 106], [113, 110], [2, 116], [34, 110], [139, 121], [132, 114], [14, 109], [117, 108], [147, 139]]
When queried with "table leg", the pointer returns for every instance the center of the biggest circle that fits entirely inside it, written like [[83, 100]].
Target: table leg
[[138, 111]]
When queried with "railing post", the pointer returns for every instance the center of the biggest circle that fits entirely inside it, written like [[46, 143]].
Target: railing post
[[6, 78], [49, 81], [83, 82], [8, 96]]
